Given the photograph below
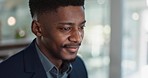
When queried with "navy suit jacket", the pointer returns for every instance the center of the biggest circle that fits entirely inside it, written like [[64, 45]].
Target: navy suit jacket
[[26, 64]]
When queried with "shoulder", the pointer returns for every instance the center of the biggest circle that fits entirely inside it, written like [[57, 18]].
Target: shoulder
[[78, 60], [18, 58], [12, 61], [12, 65], [78, 63], [79, 68]]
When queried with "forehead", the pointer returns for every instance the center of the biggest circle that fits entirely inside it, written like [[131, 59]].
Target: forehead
[[71, 12], [68, 13], [70, 8]]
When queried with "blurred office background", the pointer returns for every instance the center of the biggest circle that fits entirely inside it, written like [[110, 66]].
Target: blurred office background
[[116, 36]]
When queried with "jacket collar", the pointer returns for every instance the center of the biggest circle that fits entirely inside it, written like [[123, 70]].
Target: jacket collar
[[32, 62], [33, 65]]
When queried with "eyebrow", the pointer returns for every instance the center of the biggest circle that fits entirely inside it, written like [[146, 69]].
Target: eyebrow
[[70, 23]]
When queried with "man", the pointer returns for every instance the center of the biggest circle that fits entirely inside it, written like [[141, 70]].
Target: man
[[59, 29]]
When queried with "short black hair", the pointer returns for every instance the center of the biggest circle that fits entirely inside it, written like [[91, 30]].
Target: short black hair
[[40, 6]]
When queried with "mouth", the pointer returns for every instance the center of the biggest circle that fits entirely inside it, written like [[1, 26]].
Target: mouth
[[72, 48]]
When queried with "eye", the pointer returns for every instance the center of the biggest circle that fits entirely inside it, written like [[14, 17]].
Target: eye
[[82, 27], [65, 28]]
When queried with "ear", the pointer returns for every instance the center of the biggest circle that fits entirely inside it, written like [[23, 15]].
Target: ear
[[36, 28]]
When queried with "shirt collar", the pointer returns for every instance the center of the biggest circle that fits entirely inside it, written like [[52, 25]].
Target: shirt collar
[[45, 62], [48, 66]]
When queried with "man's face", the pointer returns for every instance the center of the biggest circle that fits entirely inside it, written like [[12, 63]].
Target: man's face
[[62, 32]]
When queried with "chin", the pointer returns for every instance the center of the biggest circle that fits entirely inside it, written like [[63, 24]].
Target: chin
[[70, 59]]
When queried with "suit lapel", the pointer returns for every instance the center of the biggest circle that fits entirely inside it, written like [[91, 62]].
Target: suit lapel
[[32, 62]]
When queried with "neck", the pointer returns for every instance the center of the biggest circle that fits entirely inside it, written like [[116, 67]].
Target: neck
[[57, 62]]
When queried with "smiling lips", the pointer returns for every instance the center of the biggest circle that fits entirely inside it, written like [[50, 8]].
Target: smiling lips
[[72, 48]]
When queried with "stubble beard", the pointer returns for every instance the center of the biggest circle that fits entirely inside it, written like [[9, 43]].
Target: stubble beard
[[69, 60]]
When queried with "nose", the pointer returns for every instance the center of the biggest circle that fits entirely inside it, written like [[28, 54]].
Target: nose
[[76, 36]]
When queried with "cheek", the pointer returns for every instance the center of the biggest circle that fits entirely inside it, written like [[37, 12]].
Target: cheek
[[55, 37], [61, 37], [61, 40], [58, 39], [82, 34]]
